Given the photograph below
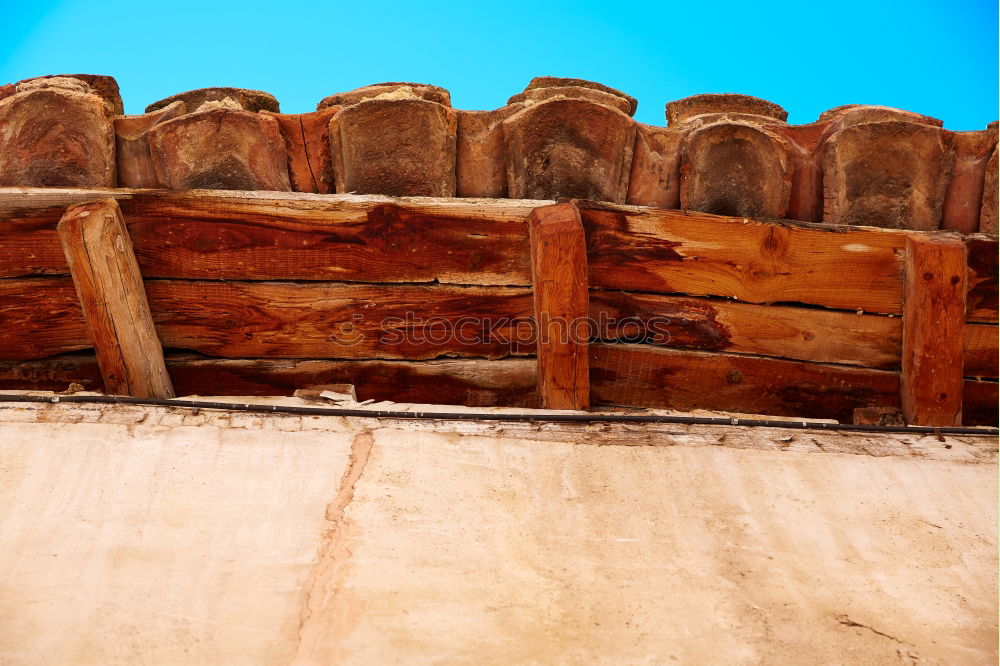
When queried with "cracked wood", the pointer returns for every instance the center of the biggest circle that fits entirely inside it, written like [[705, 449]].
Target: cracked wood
[[113, 301]]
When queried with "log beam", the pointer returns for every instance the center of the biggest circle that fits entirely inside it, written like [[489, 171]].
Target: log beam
[[934, 293], [559, 275], [109, 286]]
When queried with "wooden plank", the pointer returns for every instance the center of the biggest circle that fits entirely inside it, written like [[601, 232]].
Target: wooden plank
[[276, 235], [473, 382], [981, 358], [559, 276], [981, 302], [511, 382], [287, 320], [41, 317], [980, 402], [196, 235], [934, 312], [807, 334], [113, 300], [681, 252], [647, 376]]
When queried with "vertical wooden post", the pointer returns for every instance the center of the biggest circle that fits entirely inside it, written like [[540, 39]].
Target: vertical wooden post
[[559, 275], [933, 322], [109, 286]]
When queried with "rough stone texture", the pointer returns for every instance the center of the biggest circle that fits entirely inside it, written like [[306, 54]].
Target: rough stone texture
[[396, 89], [56, 137], [569, 149], [655, 177], [679, 111], [988, 211], [886, 174], [855, 114], [135, 164], [965, 189], [249, 100], [481, 168], [399, 147], [169, 537], [105, 87], [220, 149], [542, 82], [307, 140], [735, 169], [575, 92]]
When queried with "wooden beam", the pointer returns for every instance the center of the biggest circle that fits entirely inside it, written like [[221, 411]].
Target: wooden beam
[[559, 275], [113, 300], [296, 236], [933, 316], [756, 261], [473, 382], [648, 376], [41, 317], [624, 375]]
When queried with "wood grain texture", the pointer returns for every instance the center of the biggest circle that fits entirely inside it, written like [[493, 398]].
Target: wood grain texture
[[642, 375], [981, 301], [41, 317], [225, 238], [758, 262], [934, 312], [287, 320], [473, 382], [113, 300], [274, 235], [797, 333], [559, 276]]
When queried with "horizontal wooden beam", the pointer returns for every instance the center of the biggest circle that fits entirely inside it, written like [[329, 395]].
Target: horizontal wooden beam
[[797, 333], [286, 319], [198, 235], [677, 252], [113, 300], [647, 376], [41, 317], [623, 375], [473, 382], [275, 235]]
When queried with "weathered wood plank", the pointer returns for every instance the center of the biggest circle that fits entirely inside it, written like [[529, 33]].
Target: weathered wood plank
[[850, 268], [15, 201], [981, 302], [473, 382], [646, 376], [806, 334], [287, 320], [981, 358], [177, 235], [275, 235], [504, 382], [980, 402], [113, 300], [559, 276], [41, 317], [933, 315]]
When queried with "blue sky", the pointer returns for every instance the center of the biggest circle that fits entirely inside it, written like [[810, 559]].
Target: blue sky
[[936, 58]]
